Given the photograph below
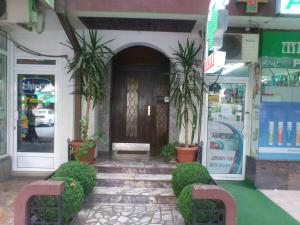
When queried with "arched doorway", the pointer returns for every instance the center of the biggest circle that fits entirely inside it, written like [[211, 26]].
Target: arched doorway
[[140, 97]]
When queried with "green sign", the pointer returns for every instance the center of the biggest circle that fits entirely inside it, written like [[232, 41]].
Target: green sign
[[212, 27], [281, 44], [216, 24], [291, 7]]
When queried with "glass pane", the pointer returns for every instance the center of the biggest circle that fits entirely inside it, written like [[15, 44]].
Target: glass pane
[[3, 121], [132, 107], [280, 85], [3, 41], [36, 100], [36, 61], [225, 126]]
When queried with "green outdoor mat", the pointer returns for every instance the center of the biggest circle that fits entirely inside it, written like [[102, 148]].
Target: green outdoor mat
[[254, 208]]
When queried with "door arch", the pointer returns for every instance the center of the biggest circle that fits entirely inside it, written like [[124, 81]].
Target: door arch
[[140, 97]]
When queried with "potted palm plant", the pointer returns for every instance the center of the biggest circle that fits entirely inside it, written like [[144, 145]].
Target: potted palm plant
[[90, 64], [186, 92]]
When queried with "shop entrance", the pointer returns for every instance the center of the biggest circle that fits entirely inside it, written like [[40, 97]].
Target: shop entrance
[[34, 107], [140, 99], [227, 126]]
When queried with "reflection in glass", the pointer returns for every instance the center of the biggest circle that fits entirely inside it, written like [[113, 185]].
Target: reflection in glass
[[225, 127], [36, 105], [3, 116]]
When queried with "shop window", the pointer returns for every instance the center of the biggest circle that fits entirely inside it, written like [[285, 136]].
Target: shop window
[[36, 110], [280, 85]]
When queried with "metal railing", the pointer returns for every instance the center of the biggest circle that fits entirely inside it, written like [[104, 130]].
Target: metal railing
[[45, 210], [208, 212]]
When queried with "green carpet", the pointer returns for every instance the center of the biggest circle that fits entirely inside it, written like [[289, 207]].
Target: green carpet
[[254, 208]]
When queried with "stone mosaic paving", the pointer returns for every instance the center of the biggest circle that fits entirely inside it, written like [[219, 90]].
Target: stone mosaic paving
[[128, 214]]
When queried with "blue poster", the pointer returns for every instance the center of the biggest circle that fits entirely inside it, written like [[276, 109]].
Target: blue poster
[[279, 136]]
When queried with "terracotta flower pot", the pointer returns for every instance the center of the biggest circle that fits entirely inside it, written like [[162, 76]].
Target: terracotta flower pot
[[76, 146], [186, 154]]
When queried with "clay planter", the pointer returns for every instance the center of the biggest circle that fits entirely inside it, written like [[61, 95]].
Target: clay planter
[[76, 147], [186, 154]]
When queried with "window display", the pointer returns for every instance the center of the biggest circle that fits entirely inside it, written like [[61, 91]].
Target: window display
[[280, 102], [36, 109]]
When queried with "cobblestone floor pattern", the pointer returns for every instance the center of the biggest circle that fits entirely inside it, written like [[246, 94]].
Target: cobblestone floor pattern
[[121, 214]]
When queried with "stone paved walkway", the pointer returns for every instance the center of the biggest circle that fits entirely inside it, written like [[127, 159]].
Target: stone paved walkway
[[8, 193], [131, 192], [128, 214]]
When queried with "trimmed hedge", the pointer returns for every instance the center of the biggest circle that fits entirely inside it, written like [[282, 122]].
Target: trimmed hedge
[[72, 198], [186, 203], [84, 173], [189, 173]]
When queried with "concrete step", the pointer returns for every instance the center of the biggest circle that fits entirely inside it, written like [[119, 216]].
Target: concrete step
[[132, 195], [140, 170], [132, 180], [137, 167]]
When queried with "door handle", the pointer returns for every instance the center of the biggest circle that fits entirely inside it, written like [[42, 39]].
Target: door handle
[[149, 110]]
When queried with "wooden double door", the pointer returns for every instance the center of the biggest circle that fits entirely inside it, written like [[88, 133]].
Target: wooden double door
[[140, 107]]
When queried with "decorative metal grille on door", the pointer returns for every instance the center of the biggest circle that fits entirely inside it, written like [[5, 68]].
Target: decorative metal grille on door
[[132, 107], [162, 106]]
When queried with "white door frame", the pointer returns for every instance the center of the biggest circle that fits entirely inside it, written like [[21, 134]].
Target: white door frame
[[247, 123], [33, 70]]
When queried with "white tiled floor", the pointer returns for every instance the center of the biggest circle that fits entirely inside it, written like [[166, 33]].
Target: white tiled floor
[[287, 200]]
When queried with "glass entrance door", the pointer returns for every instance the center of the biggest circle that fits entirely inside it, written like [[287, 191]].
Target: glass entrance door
[[35, 122], [226, 130]]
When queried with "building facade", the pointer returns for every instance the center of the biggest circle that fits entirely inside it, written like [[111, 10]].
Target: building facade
[[40, 113]]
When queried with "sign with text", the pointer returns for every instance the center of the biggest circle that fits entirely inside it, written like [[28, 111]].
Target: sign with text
[[214, 62], [288, 7], [31, 85], [280, 49]]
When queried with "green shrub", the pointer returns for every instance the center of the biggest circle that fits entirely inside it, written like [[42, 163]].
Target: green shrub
[[72, 198], [168, 152], [85, 174], [186, 203], [189, 173]]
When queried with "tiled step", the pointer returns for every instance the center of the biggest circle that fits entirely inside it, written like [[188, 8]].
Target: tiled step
[[138, 167], [133, 195], [140, 170], [134, 180]]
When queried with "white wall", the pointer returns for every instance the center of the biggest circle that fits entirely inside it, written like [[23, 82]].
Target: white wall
[[49, 43]]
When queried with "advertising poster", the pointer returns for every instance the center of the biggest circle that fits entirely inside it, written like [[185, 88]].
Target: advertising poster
[[225, 150], [224, 153], [279, 130]]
